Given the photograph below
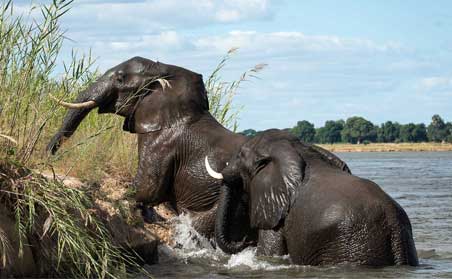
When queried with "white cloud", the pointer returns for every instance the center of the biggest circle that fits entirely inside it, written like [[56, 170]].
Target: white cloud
[[228, 15], [166, 41], [163, 46], [235, 10], [291, 41], [155, 16], [437, 83]]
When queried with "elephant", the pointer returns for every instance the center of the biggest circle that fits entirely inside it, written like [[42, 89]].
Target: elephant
[[167, 107], [304, 201]]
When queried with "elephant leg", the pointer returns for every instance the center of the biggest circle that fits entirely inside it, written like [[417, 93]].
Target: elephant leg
[[150, 215], [271, 243], [204, 222]]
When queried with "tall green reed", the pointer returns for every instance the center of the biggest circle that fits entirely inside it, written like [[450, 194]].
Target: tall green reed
[[221, 94], [29, 51]]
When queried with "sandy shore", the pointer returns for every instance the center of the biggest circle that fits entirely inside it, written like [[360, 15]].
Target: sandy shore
[[388, 147]]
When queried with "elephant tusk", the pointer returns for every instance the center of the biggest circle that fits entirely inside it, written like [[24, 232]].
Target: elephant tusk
[[88, 104], [164, 83], [211, 172]]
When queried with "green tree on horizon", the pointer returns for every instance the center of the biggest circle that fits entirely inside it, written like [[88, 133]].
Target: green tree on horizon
[[357, 129], [449, 131], [420, 133], [388, 132], [304, 130], [413, 133], [249, 132], [330, 132], [437, 130]]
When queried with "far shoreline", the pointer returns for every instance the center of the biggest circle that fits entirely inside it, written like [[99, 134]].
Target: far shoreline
[[388, 147]]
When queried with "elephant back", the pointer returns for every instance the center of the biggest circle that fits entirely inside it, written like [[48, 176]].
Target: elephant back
[[331, 158], [309, 153]]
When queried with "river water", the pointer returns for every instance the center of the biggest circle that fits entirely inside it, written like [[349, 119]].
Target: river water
[[419, 181]]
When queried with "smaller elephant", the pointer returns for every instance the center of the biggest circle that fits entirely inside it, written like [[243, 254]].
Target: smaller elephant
[[306, 203]]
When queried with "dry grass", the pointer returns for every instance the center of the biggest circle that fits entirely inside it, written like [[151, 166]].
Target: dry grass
[[388, 147], [62, 224]]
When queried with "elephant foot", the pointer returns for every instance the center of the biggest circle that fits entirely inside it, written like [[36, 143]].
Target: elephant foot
[[150, 215]]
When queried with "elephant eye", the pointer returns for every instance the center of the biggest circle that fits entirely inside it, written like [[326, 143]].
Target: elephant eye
[[261, 163], [120, 77]]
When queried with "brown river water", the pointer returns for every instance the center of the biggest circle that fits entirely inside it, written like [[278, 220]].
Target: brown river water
[[420, 181]]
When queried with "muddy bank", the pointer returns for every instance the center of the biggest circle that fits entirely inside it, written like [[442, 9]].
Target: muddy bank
[[115, 205], [110, 203]]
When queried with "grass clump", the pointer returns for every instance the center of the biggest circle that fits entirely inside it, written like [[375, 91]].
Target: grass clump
[[29, 51], [60, 222], [49, 214]]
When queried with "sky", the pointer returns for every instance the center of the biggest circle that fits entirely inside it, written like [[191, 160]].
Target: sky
[[327, 60]]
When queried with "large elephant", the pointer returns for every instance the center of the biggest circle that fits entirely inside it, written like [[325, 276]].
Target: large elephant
[[167, 107], [305, 202]]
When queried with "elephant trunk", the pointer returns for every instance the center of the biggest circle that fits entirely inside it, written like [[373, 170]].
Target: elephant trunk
[[222, 224], [94, 96]]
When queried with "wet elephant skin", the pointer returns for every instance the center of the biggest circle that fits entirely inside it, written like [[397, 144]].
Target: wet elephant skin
[[167, 107], [305, 202]]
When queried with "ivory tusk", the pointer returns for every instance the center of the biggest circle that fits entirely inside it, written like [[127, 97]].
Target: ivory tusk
[[211, 172], [88, 104], [164, 83]]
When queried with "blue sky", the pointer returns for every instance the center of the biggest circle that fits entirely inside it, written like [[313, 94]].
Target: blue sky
[[383, 60]]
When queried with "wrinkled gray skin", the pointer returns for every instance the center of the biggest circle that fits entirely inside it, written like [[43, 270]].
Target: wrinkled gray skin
[[175, 132], [305, 202]]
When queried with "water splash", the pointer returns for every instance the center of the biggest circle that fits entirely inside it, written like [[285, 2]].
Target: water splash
[[189, 244], [191, 247], [248, 259], [186, 237]]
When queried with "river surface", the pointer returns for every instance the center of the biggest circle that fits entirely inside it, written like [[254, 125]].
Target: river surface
[[419, 181]]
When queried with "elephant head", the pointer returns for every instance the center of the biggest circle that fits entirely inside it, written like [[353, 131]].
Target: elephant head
[[269, 169], [150, 95]]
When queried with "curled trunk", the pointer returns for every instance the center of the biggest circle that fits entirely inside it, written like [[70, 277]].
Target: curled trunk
[[223, 221]]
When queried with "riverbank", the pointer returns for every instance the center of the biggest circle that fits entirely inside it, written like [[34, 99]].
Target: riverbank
[[388, 147], [98, 225]]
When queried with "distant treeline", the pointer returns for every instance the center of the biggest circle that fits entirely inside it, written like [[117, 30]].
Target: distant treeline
[[357, 129]]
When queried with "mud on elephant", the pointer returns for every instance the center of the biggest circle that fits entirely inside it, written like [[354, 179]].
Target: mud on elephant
[[167, 107], [305, 202]]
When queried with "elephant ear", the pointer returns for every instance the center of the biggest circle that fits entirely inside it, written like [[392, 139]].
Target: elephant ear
[[272, 190], [182, 100], [151, 113]]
